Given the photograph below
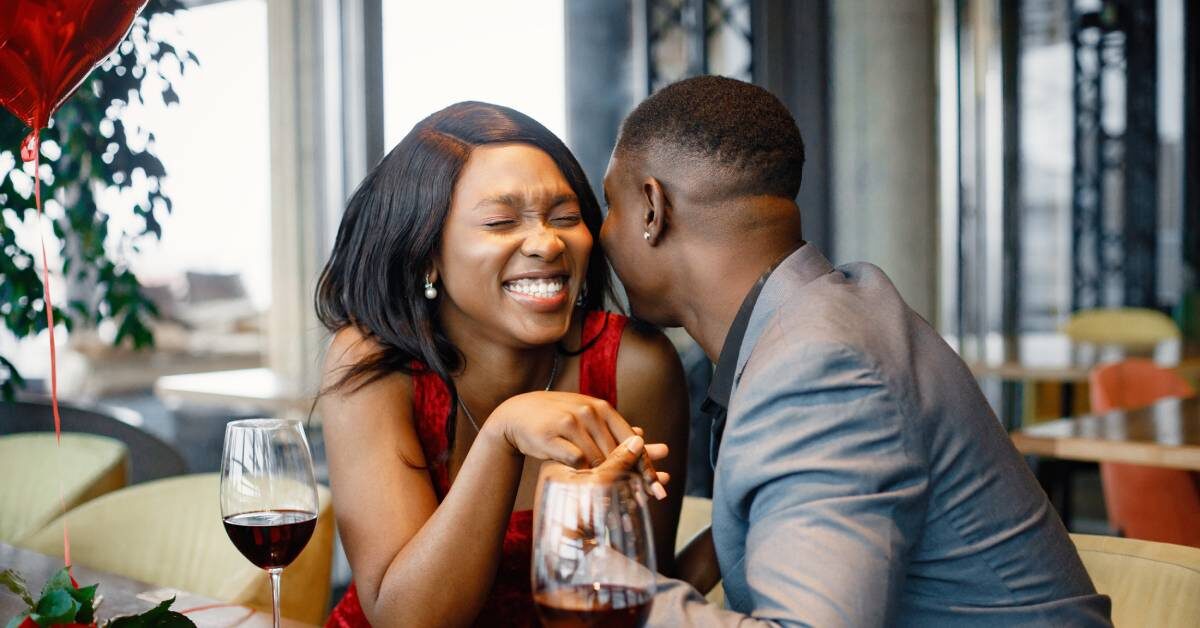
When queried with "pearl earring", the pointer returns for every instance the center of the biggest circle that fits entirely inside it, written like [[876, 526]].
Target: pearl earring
[[430, 291], [646, 235]]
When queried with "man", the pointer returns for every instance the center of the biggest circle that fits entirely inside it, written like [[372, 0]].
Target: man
[[861, 478]]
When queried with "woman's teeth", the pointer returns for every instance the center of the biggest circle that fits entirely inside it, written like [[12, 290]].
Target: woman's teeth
[[542, 288]]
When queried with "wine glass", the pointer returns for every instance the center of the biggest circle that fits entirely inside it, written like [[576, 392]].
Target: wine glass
[[593, 551], [268, 494]]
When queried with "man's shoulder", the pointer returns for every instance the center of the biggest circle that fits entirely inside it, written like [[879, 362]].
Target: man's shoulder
[[843, 309], [851, 319]]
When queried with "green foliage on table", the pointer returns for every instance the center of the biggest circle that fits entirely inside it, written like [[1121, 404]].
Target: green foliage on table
[[95, 155], [158, 617], [61, 602]]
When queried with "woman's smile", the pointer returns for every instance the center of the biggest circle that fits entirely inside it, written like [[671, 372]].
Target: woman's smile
[[544, 291]]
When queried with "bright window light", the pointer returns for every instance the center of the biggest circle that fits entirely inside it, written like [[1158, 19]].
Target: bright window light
[[215, 146], [439, 53]]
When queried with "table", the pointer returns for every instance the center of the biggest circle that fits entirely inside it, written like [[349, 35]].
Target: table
[[1166, 434], [122, 596], [259, 388], [1052, 358], [1042, 356]]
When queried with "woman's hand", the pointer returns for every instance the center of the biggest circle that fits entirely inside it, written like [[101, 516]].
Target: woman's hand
[[571, 429]]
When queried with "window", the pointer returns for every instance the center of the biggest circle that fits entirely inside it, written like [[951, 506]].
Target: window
[[215, 147], [439, 53]]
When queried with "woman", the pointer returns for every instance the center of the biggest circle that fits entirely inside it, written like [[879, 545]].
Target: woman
[[463, 293]]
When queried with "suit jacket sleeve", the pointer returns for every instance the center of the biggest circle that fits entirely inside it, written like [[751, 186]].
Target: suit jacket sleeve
[[815, 460]]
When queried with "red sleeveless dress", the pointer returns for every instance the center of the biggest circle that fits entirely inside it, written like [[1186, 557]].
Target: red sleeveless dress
[[511, 599]]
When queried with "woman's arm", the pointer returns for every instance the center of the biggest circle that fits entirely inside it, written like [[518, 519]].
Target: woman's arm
[[652, 394], [415, 563]]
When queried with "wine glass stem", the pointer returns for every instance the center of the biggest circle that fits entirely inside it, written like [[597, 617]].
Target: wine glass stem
[[275, 574]]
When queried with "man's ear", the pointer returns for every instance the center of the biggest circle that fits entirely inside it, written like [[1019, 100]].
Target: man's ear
[[657, 210]]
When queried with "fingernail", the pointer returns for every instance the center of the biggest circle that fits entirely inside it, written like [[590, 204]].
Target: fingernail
[[659, 491], [635, 444]]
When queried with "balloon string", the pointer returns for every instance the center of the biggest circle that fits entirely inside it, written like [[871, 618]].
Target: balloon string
[[37, 193]]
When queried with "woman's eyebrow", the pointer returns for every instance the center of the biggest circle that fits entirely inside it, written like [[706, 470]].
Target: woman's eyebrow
[[517, 200]]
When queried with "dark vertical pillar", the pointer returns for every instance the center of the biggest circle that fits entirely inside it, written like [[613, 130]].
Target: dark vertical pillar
[[791, 59], [1140, 244], [600, 89], [1010, 274], [373, 69], [1010, 52]]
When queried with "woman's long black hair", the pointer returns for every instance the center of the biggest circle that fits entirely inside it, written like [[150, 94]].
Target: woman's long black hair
[[375, 277]]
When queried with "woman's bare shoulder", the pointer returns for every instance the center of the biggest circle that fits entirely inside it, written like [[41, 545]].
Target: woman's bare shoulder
[[650, 379], [349, 348], [645, 351]]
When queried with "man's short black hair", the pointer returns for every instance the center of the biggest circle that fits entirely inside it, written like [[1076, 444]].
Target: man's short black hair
[[728, 123]]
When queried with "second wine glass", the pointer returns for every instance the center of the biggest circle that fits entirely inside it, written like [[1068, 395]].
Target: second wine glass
[[593, 551], [268, 494]]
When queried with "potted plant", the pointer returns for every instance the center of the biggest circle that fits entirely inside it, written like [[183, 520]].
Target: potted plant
[[88, 150]]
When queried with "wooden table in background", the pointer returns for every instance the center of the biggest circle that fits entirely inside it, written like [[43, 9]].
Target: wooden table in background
[[1058, 366], [122, 596], [1166, 434]]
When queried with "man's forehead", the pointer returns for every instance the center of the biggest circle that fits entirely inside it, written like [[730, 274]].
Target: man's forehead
[[618, 166]]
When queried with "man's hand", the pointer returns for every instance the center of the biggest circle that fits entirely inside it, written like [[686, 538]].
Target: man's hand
[[629, 455]]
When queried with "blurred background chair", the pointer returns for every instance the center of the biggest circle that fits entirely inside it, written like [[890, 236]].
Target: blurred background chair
[[1127, 327], [31, 466], [169, 533], [150, 458], [1150, 503], [1151, 584]]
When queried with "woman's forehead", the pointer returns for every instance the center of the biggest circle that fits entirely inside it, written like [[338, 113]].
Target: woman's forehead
[[517, 175]]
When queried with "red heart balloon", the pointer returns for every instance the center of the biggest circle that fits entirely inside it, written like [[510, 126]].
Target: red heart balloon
[[47, 48]]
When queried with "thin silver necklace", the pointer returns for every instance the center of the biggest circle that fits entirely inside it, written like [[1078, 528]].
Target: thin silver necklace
[[549, 384]]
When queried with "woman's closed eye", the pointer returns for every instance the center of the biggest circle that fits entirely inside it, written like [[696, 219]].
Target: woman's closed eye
[[568, 219], [499, 222]]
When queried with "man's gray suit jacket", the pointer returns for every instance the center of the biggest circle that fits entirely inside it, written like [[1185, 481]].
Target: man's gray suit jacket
[[863, 480]]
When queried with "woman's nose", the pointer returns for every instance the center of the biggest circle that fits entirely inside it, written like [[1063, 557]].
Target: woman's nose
[[543, 242]]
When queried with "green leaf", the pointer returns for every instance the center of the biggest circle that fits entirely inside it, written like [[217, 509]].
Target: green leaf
[[86, 598], [158, 617], [60, 580], [11, 579], [56, 607]]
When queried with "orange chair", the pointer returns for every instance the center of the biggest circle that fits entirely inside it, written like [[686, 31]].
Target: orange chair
[[1149, 503]]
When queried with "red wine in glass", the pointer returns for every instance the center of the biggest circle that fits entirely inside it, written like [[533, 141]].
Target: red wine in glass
[[593, 551], [271, 539], [593, 606], [268, 494]]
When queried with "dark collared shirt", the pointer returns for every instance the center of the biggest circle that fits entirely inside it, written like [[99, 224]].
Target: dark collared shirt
[[716, 406]]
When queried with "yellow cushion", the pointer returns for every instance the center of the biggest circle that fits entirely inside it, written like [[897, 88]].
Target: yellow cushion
[[694, 518], [30, 468], [1127, 326], [1151, 584], [169, 533]]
